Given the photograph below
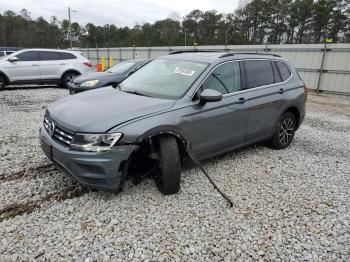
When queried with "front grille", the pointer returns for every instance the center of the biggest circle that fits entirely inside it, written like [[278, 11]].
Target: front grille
[[57, 132]]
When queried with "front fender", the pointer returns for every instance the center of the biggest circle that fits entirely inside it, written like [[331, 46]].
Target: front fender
[[166, 129], [7, 79], [140, 129]]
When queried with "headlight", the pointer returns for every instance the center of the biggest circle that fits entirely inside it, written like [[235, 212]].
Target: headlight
[[95, 142], [90, 83]]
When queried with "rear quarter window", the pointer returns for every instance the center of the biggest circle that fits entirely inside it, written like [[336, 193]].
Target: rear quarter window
[[276, 73], [258, 73], [284, 71], [66, 56]]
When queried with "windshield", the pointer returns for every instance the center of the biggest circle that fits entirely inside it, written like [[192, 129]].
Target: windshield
[[121, 67], [164, 78]]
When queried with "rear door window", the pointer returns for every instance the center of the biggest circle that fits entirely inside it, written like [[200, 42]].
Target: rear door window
[[285, 73], [28, 56], [258, 73], [49, 56]]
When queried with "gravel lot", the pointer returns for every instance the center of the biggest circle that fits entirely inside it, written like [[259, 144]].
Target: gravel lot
[[289, 205]]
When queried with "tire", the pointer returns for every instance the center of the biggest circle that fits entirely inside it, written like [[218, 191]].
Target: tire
[[284, 131], [67, 78], [2, 82], [168, 181]]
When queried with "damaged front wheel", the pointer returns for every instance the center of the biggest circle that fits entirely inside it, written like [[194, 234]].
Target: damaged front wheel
[[168, 180]]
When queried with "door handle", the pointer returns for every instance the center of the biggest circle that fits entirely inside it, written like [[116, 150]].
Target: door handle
[[281, 91], [63, 64], [241, 100], [35, 65]]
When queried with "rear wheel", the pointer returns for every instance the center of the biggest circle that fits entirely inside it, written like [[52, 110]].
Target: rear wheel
[[168, 180], [284, 131], [68, 78], [2, 82]]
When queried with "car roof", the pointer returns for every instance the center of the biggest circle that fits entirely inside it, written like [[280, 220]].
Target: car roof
[[10, 49], [137, 60], [212, 57], [48, 49]]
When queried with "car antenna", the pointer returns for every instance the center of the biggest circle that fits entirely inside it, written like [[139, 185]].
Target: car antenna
[[198, 164]]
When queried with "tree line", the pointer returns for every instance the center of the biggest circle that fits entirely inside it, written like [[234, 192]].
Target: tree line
[[258, 22]]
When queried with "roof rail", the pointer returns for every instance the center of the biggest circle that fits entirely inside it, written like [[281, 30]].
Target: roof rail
[[247, 53], [191, 51]]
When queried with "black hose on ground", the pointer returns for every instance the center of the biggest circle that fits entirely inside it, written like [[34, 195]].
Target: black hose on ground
[[198, 164]]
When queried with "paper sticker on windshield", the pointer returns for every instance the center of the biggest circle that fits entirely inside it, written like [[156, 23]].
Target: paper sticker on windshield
[[184, 71]]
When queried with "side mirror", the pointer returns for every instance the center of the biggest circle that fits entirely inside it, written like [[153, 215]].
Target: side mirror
[[209, 95], [13, 59]]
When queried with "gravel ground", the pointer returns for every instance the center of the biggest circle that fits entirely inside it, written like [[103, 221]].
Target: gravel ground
[[292, 204]]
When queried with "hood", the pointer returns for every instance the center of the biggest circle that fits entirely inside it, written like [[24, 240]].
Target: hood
[[98, 76], [99, 110]]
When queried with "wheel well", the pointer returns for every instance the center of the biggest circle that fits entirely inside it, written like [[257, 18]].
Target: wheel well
[[181, 142], [69, 71], [149, 144], [148, 150], [7, 81], [296, 114]]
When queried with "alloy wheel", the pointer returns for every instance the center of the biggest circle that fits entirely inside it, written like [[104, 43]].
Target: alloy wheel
[[69, 78], [286, 131]]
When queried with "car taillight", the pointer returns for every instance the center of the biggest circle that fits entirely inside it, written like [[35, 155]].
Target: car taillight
[[305, 90], [88, 64]]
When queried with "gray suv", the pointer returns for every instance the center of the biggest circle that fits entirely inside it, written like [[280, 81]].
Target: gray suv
[[206, 102]]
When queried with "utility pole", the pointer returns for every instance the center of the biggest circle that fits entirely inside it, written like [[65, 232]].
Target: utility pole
[[70, 27], [185, 36], [326, 41], [4, 33]]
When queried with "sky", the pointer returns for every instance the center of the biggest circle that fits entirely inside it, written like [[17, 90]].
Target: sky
[[118, 12]]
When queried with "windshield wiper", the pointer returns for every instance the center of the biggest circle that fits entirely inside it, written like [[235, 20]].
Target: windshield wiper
[[131, 91], [117, 86], [135, 92]]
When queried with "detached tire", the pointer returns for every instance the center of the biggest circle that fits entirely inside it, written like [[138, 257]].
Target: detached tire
[[2, 82], [284, 131], [67, 78], [168, 181]]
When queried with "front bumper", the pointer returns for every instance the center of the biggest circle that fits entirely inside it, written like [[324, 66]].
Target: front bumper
[[98, 170]]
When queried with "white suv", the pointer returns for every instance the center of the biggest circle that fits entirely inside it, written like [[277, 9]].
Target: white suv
[[42, 66]]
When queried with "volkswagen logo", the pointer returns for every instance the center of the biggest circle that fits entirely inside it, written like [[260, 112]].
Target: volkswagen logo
[[51, 128]]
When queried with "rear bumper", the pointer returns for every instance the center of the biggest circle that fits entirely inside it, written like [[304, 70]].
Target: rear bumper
[[302, 112], [96, 170]]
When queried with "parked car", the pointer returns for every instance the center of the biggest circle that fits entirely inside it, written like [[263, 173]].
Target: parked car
[[5, 51], [209, 103], [42, 66], [111, 76]]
